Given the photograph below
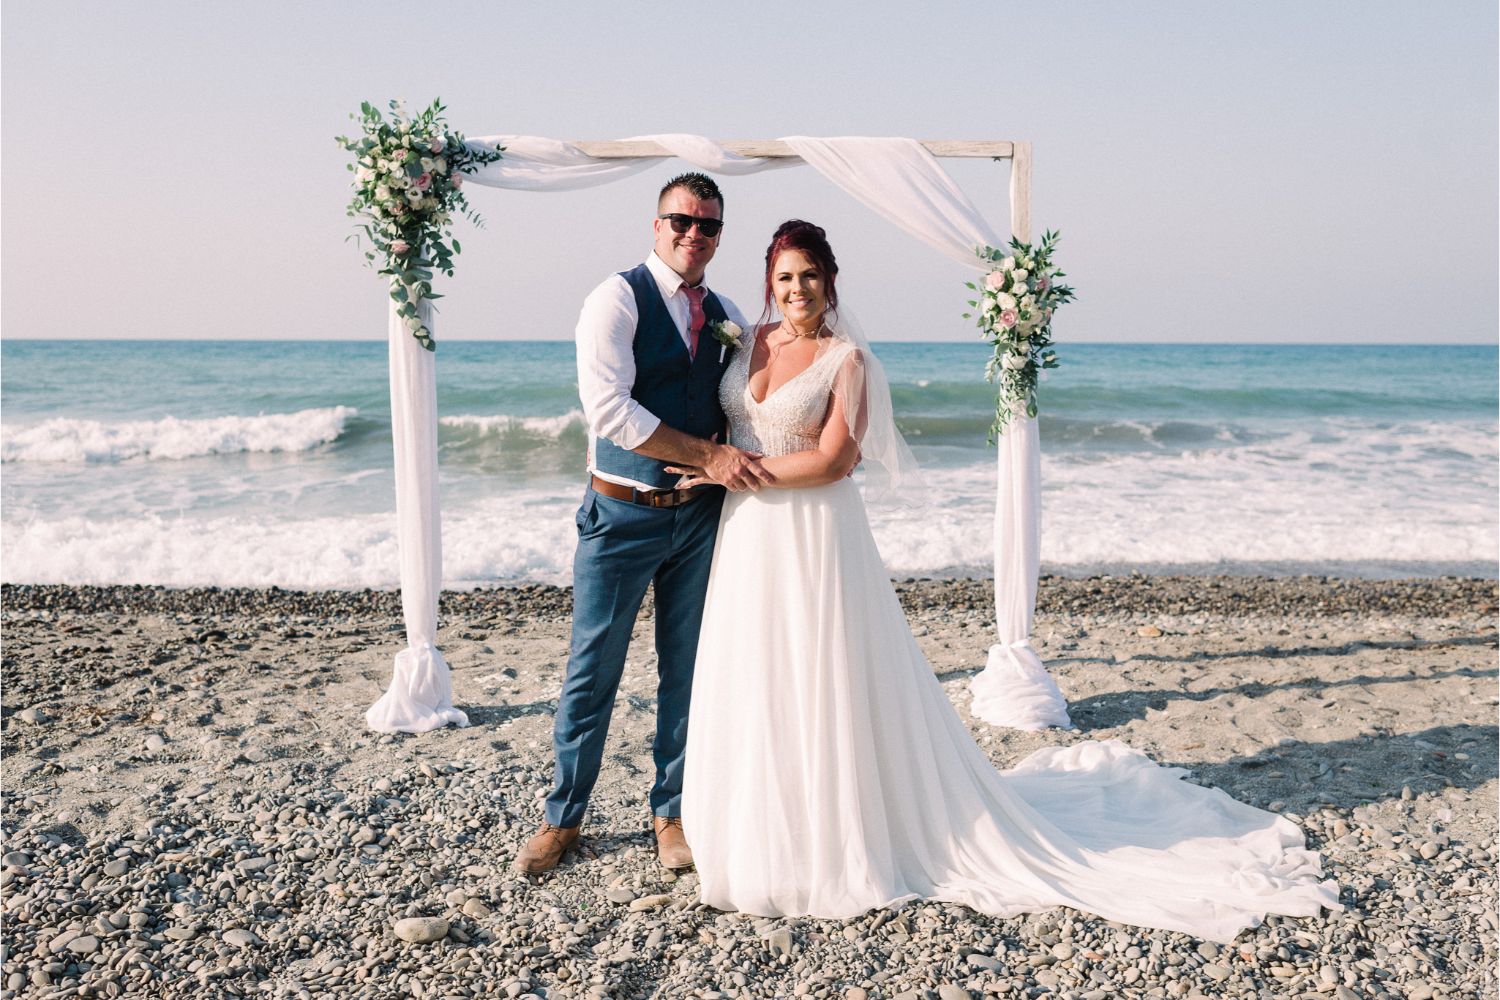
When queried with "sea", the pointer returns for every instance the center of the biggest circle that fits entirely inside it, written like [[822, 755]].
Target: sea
[[268, 463]]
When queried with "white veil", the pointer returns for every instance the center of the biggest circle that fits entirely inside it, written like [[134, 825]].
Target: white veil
[[890, 472]]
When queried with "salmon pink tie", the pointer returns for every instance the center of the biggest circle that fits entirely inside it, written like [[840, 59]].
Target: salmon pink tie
[[695, 316]]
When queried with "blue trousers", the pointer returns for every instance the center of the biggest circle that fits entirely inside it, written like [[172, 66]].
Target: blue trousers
[[623, 548]]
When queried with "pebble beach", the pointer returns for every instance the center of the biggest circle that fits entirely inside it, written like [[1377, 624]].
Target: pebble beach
[[192, 806]]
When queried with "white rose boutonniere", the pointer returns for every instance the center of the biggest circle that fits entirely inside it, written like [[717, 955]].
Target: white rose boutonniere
[[727, 332]]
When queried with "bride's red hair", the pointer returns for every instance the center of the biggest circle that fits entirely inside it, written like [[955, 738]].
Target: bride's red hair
[[812, 242]]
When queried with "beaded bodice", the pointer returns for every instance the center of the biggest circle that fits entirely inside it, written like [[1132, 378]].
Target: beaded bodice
[[791, 418]]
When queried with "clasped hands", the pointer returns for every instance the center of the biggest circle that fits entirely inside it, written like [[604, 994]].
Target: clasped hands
[[732, 468]]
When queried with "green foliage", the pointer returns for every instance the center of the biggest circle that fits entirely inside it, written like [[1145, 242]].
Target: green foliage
[[408, 173], [1014, 315]]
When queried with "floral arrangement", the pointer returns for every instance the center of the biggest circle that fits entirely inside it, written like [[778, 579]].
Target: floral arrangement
[[408, 175], [1014, 314]]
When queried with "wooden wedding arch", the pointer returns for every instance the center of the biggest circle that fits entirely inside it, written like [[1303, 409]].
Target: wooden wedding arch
[[1013, 689]]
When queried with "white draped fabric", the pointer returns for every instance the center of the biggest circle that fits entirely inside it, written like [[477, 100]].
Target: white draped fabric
[[1014, 689], [897, 178], [420, 697]]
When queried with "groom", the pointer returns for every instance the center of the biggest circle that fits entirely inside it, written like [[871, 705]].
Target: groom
[[648, 376]]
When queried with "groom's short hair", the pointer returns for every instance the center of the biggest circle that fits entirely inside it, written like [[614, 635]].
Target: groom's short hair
[[700, 186]]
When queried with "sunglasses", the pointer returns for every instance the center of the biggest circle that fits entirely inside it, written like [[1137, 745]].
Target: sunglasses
[[682, 223]]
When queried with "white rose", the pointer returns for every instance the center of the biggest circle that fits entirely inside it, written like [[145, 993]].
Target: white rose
[[426, 162], [1008, 264], [733, 329], [364, 175], [1028, 302], [414, 197], [440, 165], [1015, 362], [1019, 274], [382, 193], [1006, 301]]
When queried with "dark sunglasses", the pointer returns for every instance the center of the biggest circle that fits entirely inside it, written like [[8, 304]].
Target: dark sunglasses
[[682, 223]]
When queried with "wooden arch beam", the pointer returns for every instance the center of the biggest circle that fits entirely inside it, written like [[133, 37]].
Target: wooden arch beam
[[1019, 153]]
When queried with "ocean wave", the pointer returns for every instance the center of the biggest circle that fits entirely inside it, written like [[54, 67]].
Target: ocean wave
[[66, 439], [1248, 506], [505, 425]]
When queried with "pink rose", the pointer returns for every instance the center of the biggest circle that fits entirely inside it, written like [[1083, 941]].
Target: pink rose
[[438, 145], [399, 247], [1042, 284], [995, 280], [457, 180], [423, 182], [1008, 318]]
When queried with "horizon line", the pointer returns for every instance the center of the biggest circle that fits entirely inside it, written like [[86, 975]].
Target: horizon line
[[562, 340]]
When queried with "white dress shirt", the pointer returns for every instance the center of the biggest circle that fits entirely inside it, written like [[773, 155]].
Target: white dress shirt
[[606, 359]]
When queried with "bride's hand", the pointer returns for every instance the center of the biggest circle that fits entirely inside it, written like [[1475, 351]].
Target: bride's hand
[[691, 476]]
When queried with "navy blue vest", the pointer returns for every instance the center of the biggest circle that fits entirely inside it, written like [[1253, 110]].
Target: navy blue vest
[[681, 390]]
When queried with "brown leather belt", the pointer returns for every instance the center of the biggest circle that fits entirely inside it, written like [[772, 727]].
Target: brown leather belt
[[646, 498]]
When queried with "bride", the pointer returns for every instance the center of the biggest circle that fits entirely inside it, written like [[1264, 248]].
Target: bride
[[826, 771]]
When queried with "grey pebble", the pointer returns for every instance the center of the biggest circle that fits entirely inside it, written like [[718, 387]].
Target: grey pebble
[[240, 937], [421, 930]]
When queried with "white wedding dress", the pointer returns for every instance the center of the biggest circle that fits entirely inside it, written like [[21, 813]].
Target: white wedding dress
[[827, 773]]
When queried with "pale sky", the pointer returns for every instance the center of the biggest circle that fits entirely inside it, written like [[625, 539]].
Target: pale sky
[[1267, 171]]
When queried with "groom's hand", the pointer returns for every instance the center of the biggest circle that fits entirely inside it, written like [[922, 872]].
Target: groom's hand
[[736, 469], [732, 468]]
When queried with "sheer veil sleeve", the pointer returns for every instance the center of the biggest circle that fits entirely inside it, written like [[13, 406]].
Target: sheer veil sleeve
[[890, 473]]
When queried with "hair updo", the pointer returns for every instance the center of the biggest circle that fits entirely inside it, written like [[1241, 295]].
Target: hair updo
[[812, 242]]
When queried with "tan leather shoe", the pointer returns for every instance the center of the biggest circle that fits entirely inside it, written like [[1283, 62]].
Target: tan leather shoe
[[546, 848], [671, 845]]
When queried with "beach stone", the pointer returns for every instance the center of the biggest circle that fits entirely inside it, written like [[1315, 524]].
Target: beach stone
[[181, 932], [254, 865], [1062, 951], [649, 902], [856, 993], [60, 941], [1149, 632], [1216, 972], [33, 716], [16, 859], [155, 742], [85, 944], [117, 867], [421, 930], [621, 896], [780, 941], [948, 991], [984, 962], [1345, 993], [240, 937], [476, 908]]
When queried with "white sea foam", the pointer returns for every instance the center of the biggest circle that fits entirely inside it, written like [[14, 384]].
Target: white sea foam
[[1336, 494], [71, 440], [481, 544], [500, 423]]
